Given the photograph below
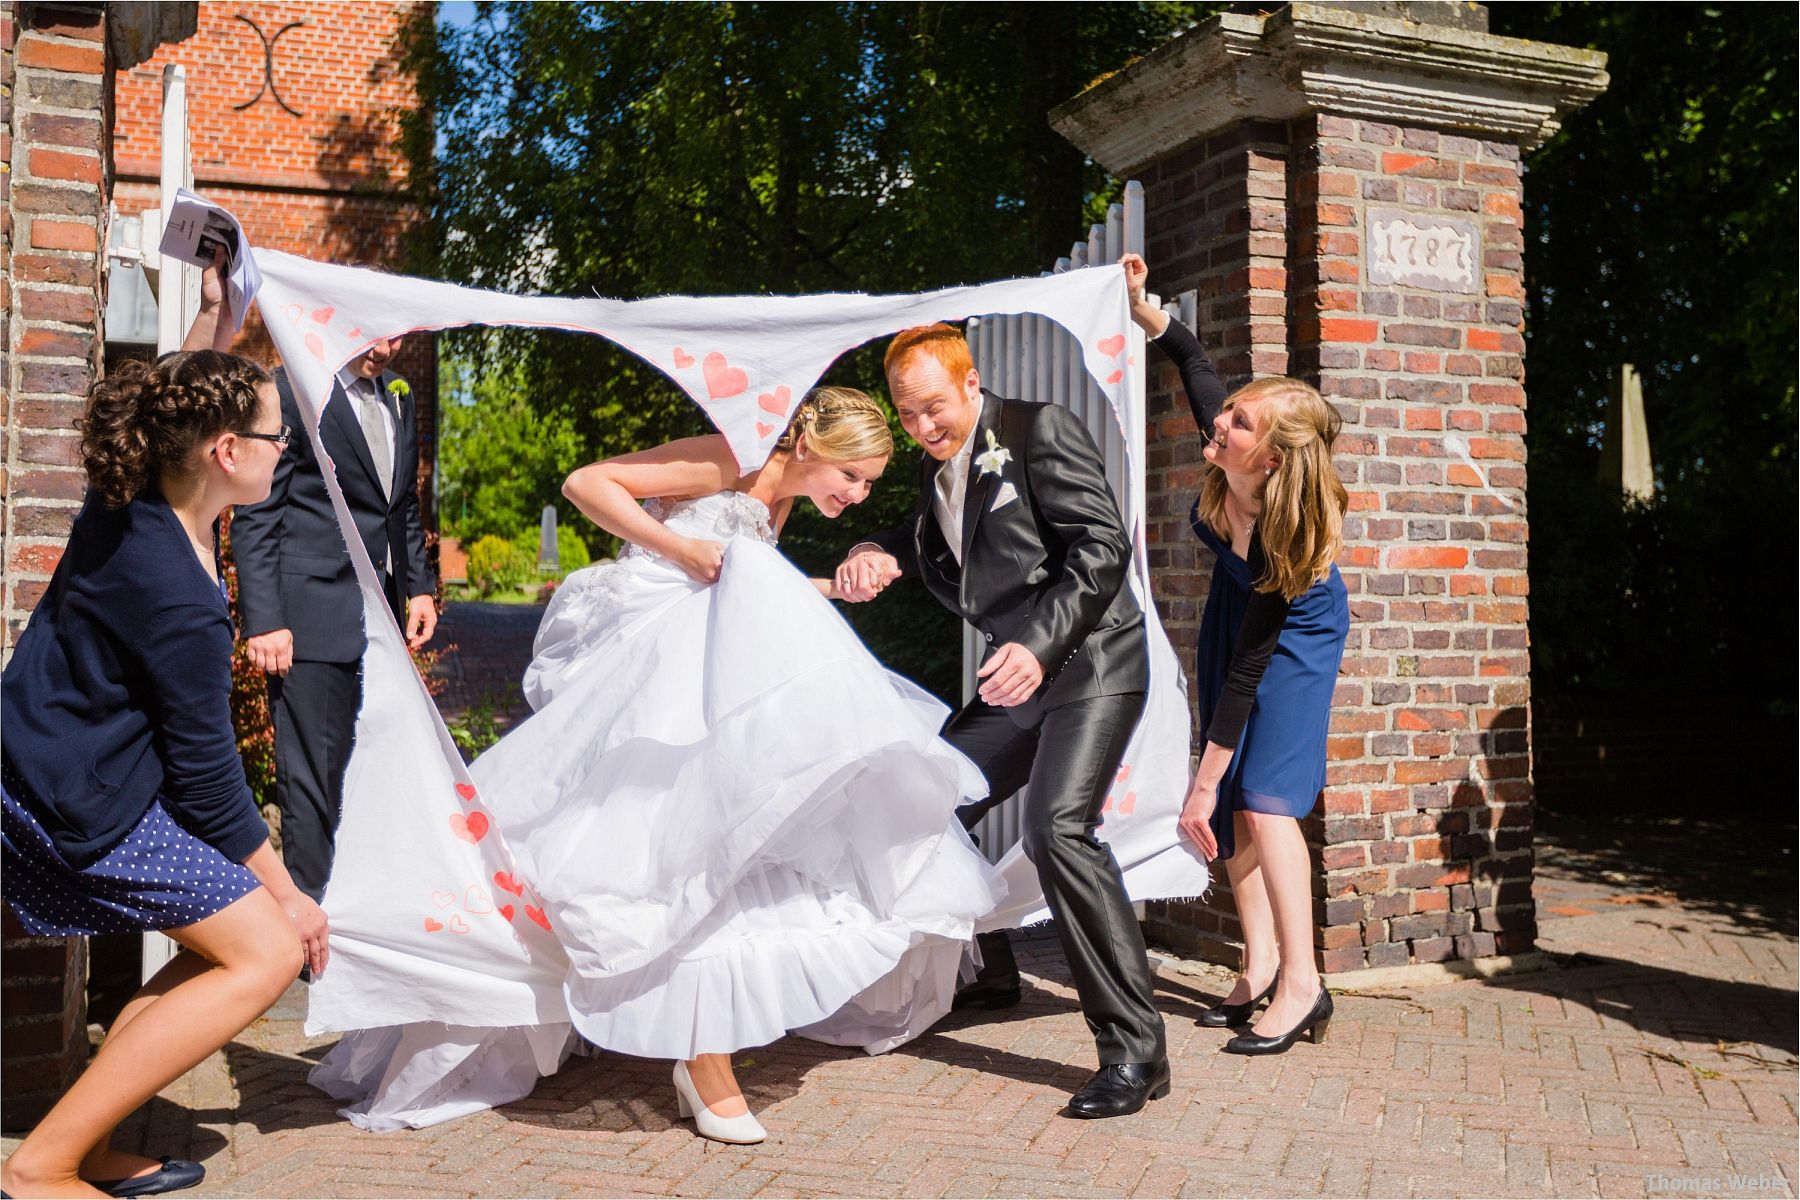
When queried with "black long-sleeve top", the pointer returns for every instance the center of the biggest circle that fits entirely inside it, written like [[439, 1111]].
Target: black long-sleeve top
[[1267, 611]]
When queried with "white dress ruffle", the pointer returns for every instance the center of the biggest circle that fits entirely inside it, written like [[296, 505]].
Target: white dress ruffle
[[739, 823]]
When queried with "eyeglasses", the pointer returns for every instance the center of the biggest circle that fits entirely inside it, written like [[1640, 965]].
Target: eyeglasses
[[280, 437]]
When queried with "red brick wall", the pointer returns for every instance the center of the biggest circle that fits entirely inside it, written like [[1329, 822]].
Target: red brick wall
[[1424, 833], [54, 152], [53, 89], [327, 184]]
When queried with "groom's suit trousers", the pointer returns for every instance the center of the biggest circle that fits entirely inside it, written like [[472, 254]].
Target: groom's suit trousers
[[1069, 760], [314, 710]]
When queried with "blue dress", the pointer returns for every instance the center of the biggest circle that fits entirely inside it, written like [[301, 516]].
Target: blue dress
[[1279, 767]]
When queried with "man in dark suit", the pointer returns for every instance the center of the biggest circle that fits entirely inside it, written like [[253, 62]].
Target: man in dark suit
[[1017, 532], [299, 608]]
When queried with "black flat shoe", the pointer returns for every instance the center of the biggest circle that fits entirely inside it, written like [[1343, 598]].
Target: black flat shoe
[[1312, 1027], [1224, 1016], [1120, 1090], [176, 1174]]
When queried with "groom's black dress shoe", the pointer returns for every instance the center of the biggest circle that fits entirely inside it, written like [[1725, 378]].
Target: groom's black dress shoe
[[1121, 1089], [996, 985]]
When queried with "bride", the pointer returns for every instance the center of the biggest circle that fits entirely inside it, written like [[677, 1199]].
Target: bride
[[739, 823]]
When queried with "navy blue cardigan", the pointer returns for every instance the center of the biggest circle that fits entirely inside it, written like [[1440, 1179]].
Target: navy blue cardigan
[[120, 689]]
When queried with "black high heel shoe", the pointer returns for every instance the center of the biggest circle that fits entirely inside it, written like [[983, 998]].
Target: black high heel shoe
[[1312, 1027], [1224, 1016]]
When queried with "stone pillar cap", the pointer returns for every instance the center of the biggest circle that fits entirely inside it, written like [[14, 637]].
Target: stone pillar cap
[[1335, 59]]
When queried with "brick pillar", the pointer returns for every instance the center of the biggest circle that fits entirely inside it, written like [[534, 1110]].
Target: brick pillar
[[58, 80], [56, 63], [53, 84], [1342, 191]]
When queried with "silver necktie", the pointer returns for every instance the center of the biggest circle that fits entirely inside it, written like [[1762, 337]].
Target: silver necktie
[[374, 427]]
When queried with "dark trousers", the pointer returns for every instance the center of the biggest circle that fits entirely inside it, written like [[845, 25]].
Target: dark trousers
[[314, 707], [1069, 761]]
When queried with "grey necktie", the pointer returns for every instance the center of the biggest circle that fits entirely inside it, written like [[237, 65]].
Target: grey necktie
[[374, 427]]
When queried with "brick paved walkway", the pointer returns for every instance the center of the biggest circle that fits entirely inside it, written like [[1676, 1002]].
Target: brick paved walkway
[[1654, 1056]]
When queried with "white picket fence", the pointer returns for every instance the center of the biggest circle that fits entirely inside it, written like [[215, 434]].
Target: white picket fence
[[1029, 357]]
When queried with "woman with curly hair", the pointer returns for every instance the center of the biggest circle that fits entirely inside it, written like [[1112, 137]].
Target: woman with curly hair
[[125, 802], [1271, 509]]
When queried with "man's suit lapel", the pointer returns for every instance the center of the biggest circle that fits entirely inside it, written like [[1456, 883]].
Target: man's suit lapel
[[980, 487], [342, 409], [396, 406]]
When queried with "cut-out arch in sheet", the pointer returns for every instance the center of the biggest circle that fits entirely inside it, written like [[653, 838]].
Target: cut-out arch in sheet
[[428, 921]]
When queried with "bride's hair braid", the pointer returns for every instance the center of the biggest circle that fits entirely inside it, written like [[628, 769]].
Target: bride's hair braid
[[840, 425]]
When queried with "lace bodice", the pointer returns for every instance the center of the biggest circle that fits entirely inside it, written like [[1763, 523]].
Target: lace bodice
[[715, 518]]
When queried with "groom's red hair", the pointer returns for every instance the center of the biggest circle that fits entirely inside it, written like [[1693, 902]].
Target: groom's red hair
[[942, 342]]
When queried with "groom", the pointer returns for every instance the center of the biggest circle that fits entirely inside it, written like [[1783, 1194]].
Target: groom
[[1017, 532]]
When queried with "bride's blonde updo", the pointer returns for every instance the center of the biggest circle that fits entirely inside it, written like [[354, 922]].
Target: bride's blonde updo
[[841, 425]]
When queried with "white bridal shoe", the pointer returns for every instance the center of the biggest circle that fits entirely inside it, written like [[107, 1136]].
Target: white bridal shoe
[[742, 1131]]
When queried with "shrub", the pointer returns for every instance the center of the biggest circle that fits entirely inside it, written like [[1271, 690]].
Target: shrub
[[572, 553], [496, 564]]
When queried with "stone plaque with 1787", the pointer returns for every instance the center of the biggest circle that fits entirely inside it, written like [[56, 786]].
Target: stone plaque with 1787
[[1413, 250]]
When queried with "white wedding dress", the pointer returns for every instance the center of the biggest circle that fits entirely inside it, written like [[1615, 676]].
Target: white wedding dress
[[738, 822]]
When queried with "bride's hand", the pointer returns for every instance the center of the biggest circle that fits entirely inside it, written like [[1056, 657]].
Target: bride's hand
[[701, 559]]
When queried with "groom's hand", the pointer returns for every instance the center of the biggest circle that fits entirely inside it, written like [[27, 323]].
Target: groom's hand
[[1012, 675], [862, 576]]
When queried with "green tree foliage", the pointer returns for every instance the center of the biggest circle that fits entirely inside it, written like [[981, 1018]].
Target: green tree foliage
[[1660, 231], [500, 458], [644, 149]]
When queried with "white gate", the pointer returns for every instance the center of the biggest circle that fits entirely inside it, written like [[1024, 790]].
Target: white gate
[[1029, 357]]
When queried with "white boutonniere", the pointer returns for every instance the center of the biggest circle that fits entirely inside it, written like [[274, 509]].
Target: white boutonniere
[[399, 390], [994, 457]]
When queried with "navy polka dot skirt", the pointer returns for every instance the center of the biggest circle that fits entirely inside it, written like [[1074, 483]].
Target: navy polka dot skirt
[[160, 877]]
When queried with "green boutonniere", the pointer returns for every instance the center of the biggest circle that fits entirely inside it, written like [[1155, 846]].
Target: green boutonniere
[[399, 389]]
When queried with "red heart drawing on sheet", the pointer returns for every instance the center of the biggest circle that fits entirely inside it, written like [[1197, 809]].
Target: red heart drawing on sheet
[[294, 313], [1131, 361], [477, 901], [471, 828], [1115, 377], [505, 911], [432, 926], [443, 899], [322, 316], [763, 431], [683, 360], [465, 791], [1124, 774], [538, 916], [458, 925], [316, 346], [1110, 346], [355, 334], [506, 883], [723, 380], [775, 402], [1127, 804]]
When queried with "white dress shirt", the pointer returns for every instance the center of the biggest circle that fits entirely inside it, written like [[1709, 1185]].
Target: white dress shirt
[[364, 391], [952, 489]]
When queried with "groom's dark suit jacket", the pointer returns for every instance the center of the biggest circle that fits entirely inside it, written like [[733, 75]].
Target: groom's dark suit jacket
[[293, 567], [1046, 568]]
